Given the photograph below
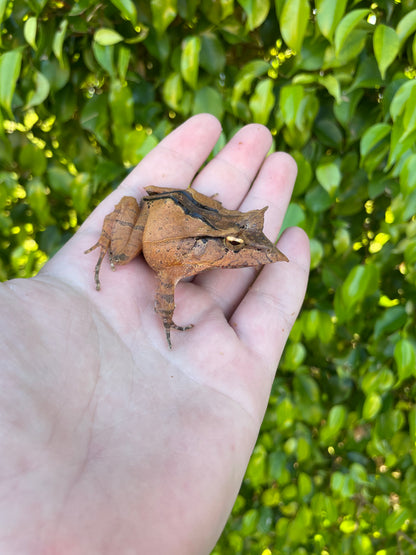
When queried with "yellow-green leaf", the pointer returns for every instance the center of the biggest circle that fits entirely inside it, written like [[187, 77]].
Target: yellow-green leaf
[[293, 22], [107, 37], [346, 26], [329, 14], [29, 31], [256, 11], [163, 13], [262, 101], [190, 60], [386, 46], [10, 63]]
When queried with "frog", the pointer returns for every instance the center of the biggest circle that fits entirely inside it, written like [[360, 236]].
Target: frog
[[181, 233]]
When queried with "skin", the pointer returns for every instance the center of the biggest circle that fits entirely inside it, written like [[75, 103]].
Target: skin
[[110, 442]]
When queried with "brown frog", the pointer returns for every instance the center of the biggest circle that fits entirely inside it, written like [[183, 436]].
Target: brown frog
[[182, 233]]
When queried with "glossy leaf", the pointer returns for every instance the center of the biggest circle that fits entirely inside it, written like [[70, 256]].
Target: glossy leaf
[[190, 60], [58, 41], [262, 101], [212, 55], [405, 357], [293, 22], [329, 176], [386, 47], [372, 406], [373, 136], [105, 57], [107, 37], [256, 11], [396, 520], [127, 8], [208, 100], [163, 13], [40, 93], [29, 31], [173, 90], [9, 72], [406, 26], [346, 26], [329, 15]]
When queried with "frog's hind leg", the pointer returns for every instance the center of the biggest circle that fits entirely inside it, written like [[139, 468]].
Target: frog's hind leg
[[121, 235], [103, 244], [165, 305]]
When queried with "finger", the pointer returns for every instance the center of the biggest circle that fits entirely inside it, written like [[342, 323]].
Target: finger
[[230, 174], [172, 163], [266, 315], [273, 188]]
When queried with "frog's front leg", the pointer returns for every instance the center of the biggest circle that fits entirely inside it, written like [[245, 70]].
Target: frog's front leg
[[165, 304], [121, 235]]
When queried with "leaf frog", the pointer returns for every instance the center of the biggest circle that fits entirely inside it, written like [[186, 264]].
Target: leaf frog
[[182, 233]]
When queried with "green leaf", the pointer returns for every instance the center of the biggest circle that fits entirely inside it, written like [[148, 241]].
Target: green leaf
[[289, 103], [123, 61], [317, 252], [405, 358], [32, 159], [29, 31], [208, 100], [190, 60], [3, 5], [329, 176], [58, 41], [336, 418], [256, 11], [127, 8], [329, 14], [400, 99], [245, 78], [94, 118], [332, 85], [346, 26], [372, 136], [372, 406], [392, 319], [408, 175], [406, 26], [163, 13], [37, 196], [212, 55], [107, 37], [386, 47], [295, 215], [293, 22], [10, 63], [173, 90], [121, 103], [262, 102], [40, 93], [360, 282], [295, 354], [396, 520], [105, 57], [81, 192]]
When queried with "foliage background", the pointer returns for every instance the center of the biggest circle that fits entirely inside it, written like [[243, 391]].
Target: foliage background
[[88, 88]]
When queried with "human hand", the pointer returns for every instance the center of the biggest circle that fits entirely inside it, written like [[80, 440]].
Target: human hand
[[120, 444]]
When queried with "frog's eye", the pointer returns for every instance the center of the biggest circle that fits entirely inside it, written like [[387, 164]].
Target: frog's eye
[[233, 243]]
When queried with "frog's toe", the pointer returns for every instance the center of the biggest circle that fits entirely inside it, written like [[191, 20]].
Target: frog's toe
[[169, 324], [181, 328]]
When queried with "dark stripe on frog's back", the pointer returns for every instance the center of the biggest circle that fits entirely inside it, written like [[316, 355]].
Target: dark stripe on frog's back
[[189, 204]]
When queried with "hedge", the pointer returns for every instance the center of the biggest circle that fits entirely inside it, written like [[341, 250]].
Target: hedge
[[88, 88]]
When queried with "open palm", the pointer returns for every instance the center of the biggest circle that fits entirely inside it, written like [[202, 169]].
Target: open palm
[[116, 444]]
